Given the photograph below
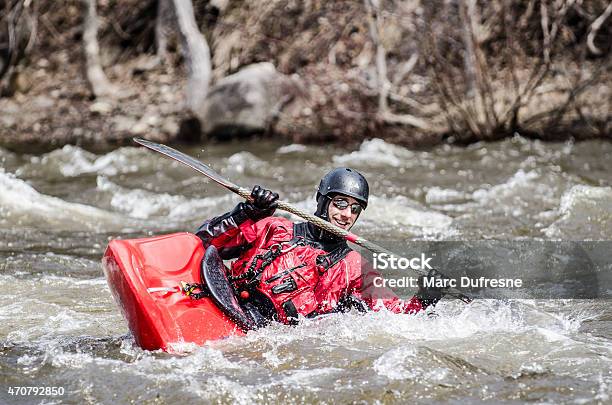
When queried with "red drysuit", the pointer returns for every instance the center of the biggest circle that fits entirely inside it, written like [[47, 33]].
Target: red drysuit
[[285, 263]]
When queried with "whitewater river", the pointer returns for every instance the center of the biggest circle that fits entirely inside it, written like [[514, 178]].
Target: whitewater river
[[59, 325]]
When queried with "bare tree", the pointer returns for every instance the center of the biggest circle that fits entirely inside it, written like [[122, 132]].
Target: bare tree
[[97, 80], [20, 20], [489, 64], [162, 27], [193, 45], [385, 114], [496, 94], [595, 27], [197, 55]]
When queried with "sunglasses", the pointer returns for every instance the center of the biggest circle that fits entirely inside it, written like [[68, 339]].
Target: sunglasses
[[342, 204]]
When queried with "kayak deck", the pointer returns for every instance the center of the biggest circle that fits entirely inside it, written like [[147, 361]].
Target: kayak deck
[[144, 276]]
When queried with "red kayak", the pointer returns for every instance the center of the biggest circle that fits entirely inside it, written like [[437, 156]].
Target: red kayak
[[145, 277]]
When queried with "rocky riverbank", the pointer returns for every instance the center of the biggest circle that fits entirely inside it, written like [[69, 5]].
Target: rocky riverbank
[[325, 72], [57, 108]]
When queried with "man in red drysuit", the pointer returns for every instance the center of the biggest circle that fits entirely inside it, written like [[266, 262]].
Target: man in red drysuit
[[285, 269]]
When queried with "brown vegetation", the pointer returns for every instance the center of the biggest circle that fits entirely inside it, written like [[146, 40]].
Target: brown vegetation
[[413, 72]]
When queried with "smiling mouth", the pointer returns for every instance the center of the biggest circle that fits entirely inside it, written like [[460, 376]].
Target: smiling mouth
[[341, 223]]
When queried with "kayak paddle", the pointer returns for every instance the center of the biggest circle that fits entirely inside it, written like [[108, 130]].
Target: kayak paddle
[[283, 205]]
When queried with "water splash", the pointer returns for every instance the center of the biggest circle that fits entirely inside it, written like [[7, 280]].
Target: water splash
[[586, 213], [21, 205]]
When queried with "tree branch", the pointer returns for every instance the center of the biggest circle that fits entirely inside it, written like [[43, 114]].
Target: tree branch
[[595, 27], [197, 55], [162, 26], [97, 80], [384, 86]]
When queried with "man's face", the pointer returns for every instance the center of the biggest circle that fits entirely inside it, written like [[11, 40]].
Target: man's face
[[343, 211]]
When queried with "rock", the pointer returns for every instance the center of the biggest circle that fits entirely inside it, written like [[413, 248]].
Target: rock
[[44, 102], [101, 107], [150, 120], [43, 63], [170, 126], [220, 5], [190, 129], [144, 125], [246, 102], [9, 106], [144, 63], [8, 121], [21, 83], [123, 123], [140, 128]]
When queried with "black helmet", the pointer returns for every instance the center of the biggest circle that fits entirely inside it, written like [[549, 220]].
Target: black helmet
[[345, 181]]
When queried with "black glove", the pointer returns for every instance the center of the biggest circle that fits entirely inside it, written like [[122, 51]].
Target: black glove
[[263, 205], [430, 295]]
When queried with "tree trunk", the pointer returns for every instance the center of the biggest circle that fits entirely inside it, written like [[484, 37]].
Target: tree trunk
[[196, 53], [595, 27], [162, 26], [98, 83], [384, 86], [20, 35]]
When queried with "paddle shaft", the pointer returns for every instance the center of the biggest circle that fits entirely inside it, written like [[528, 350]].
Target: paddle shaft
[[283, 205]]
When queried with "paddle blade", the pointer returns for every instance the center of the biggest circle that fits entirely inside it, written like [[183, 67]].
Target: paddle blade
[[189, 161]]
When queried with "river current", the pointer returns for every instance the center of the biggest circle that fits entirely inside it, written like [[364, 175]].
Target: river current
[[60, 327]]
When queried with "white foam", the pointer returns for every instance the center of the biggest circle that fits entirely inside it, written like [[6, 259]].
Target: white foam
[[532, 368], [26, 360], [553, 336], [309, 377], [603, 392], [246, 162], [71, 360], [376, 153], [56, 306], [293, 148], [220, 385], [437, 195], [454, 321], [401, 211], [70, 281], [73, 161], [22, 205], [392, 364], [202, 358], [144, 204], [273, 360], [585, 213], [524, 193], [508, 189], [66, 321]]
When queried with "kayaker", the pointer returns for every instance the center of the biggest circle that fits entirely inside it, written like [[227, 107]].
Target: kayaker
[[285, 269]]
